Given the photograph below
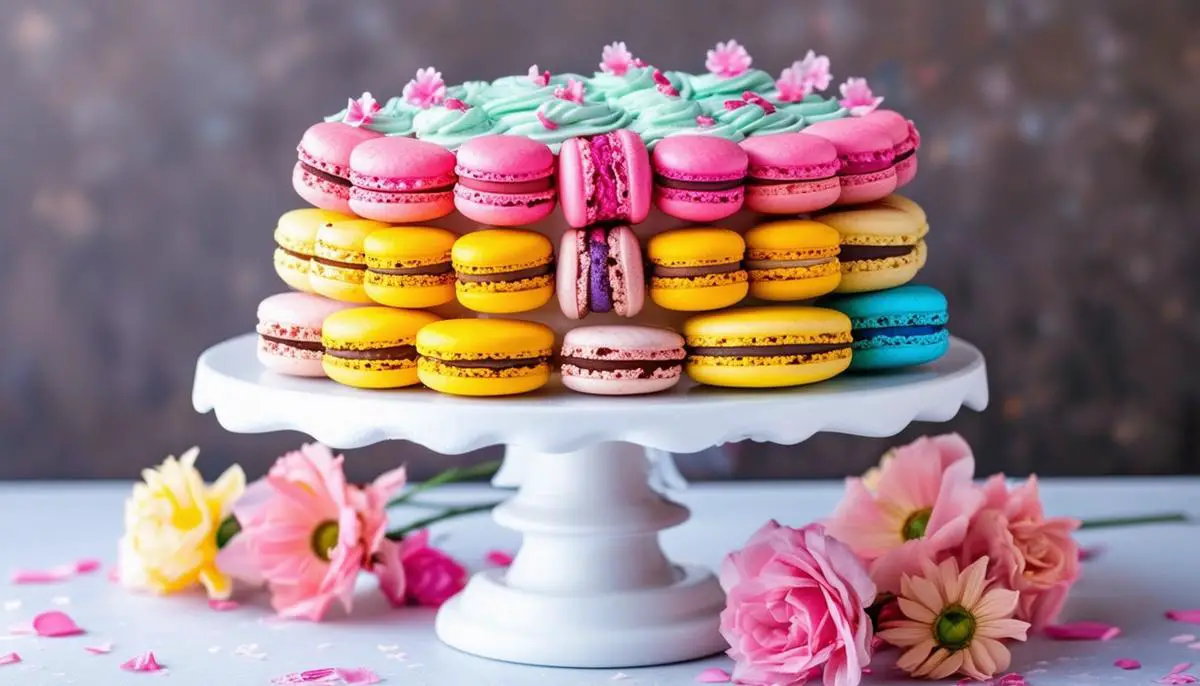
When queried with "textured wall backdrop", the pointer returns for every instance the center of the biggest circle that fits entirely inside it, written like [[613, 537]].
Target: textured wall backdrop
[[145, 150]]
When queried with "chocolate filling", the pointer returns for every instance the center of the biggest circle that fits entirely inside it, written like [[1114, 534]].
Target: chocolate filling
[[905, 156], [398, 352], [293, 253], [334, 263], [850, 253], [692, 272], [647, 366], [495, 364], [423, 270], [769, 350], [326, 175], [755, 181], [299, 345], [540, 270], [725, 185]]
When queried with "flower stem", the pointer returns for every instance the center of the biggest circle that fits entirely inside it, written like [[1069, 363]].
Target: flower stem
[[397, 534], [451, 475], [1109, 522]]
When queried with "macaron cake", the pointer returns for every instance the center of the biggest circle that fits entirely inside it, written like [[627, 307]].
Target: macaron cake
[[501, 271], [401, 180], [699, 178], [905, 142], [600, 270], [899, 327], [621, 360], [295, 237], [697, 269], [791, 173], [765, 347], [505, 180], [882, 243], [867, 156], [792, 259], [485, 357], [373, 347], [339, 263], [289, 332], [605, 178], [409, 266], [322, 174]]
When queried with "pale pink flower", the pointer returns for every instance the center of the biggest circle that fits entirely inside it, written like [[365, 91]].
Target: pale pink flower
[[858, 98], [362, 111], [955, 622], [796, 608], [426, 90], [919, 511], [728, 59], [804, 77], [539, 78], [616, 59], [571, 92]]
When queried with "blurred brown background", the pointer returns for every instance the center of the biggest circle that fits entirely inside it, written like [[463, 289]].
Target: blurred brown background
[[145, 150]]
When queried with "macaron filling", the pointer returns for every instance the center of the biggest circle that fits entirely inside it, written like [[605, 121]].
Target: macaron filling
[[692, 185], [772, 175], [867, 162], [504, 277], [919, 328], [395, 352], [697, 271], [760, 265], [605, 174], [324, 175], [605, 362], [789, 350], [854, 253], [436, 269], [508, 187], [496, 364], [339, 264], [599, 287]]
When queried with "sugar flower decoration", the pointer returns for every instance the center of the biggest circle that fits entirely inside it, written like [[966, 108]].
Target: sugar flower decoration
[[360, 112], [954, 622], [704, 121], [858, 98], [456, 104], [616, 59], [728, 59], [171, 523], [664, 85], [751, 98], [539, 78], [572, 91], [426, 90], [804, 77]]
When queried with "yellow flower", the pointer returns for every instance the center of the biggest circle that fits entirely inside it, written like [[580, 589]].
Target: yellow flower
[[871, 477], [171, 522]]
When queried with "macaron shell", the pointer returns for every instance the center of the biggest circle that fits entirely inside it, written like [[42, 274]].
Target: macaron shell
[[398, 208], [876, 275], [496, 338], [897, 356], [767, 376], [699, 299], [628, 274], [484, 386], [293, 270], [601, 385], [906, 171], [284, 311], [863, 188], [567, 274], [862, 147], [504, 209], [281, 363], [339, 283], [641, 176], [798, 197], [321, 192], [639, 342], [791, 156], [407, 296], [698, 159], [328, 146], [501, 158], [573, 188], [371, 378], [791, 289], [401, 180], [699, 205]]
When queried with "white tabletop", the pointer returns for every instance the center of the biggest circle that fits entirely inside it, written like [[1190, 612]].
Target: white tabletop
[[1141, 573]]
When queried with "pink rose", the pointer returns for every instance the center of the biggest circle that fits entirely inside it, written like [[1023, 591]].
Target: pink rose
[[413, 572], [796, 607]]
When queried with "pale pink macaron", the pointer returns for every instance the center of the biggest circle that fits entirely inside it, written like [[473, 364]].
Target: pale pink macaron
[[600, 270], [867, 155], [505, 180], [289, 332], [905, 141], [621, 360], [605, 178], [791, 173], [322, 174], [401, 180], [698, 178]]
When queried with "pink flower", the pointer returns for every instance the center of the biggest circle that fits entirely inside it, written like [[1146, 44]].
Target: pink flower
[[728, 59], [426, 90], [796, 607], [804, 77], [616, 59], [858, 98], [432, 575], [919, 510], [539, 78], [663, 84], [1033, 555], [360, 112], [704, 121], [456, 104], [572, 92]]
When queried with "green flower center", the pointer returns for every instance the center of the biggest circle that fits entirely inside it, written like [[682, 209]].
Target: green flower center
[[954, 628], [914, 526], [324, 539], [229, 528]]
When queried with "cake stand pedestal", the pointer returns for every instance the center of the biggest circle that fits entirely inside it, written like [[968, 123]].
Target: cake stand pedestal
[[590, 586]]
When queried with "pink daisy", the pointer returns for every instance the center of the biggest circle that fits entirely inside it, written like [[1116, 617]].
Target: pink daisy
[[728, 59], [426, 90]]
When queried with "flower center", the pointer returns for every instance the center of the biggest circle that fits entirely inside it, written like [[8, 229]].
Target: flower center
[[229, 528], [914, 526], [954, 628], [324, 539]]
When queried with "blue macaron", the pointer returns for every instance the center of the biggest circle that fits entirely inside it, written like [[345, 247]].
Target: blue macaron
[[898, 327]]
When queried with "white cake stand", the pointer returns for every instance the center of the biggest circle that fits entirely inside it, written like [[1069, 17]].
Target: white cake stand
[[590, 586]]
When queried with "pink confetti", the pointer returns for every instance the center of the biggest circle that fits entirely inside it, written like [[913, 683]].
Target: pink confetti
[[102, 649], [358, 676], [113, 575], [41, 576], [351, 676], [1194, 646], [1182, 638], [1090, 553], [87, 565], [223, 605], [9, 659], [713, 675], [142, 663], [1012, 679], [1082, 631], [1189, 616], [499, 558], [1176, 677], [55, 624], [306, 677], [1181, 667], [1127, 663]]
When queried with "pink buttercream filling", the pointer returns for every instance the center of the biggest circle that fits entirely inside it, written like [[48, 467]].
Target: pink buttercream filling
[[606, 178], [325, 186], [402, 185], [328, 167], [504, 199], [773, 172], [796, 188], [530, 186], [501, 177], [622, 374], [866, 162]]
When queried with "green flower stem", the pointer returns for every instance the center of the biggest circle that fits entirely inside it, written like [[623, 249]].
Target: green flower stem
[[1110, 522], [484, 469], [397, 534]]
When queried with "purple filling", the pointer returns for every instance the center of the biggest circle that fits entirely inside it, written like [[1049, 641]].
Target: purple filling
[[599, 289], [606, 201]]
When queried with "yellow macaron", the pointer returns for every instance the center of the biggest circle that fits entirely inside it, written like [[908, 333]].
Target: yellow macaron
[[764, 347], [697, 269], [482, 357], [500, 271], [373, 347], [883, 243], [409, 266], [793, 259], [339, 265], [295, 235]]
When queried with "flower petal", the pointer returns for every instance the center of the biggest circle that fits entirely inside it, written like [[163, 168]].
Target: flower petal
[[713, 675], [1127, 663], [1189, 616], [1082, 631]]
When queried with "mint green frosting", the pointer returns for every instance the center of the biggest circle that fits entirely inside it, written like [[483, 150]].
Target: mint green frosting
[[812, 109], [722, 129], [511, 98], [711, 90], [451, 128], [637, 79], [573, 119], [471, 92], [395, 118], [658, 115], [752, 119]]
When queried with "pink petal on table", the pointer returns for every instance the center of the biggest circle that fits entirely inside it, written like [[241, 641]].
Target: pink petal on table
[[1011, 679], [223, 605], [357, 676], [306, 677], [1189, 616], [102, 649], [9, 659], [713, 675], [1090, 553], [499, 558], [87, 565], [1127, 663], [55, 624], [113, 575], [40, 576], [142, 663], [1181, 667], [1082, 631], [1182, 638]]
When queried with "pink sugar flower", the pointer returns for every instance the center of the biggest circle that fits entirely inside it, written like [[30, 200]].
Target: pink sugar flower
[[572, 92], [704, 121], [426, 90], [411, 572], [456, 104], [804, 77], [858, 98], [728, 59], [616, 59], [663, 84], [923, 500], [362, 111], [539, 78]]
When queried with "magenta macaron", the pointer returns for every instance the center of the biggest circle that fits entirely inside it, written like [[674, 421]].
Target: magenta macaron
[[505, 180], [322, 174], [905, 141], [867, 155], [401, 180], [600, 270], [791, 173], [699, 178], [621, 360], [605, 178], [289, 332]]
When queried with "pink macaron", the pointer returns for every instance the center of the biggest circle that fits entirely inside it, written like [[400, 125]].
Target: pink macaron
[[867, 155], [699, 178], [322, 174], [621, 360], [600, 270], [791, 173], [505, 180], [905, 141], [605, 178], [401, 180], [289, 332]]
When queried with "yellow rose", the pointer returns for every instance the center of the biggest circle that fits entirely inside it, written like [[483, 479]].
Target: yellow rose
[[171, 522]]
